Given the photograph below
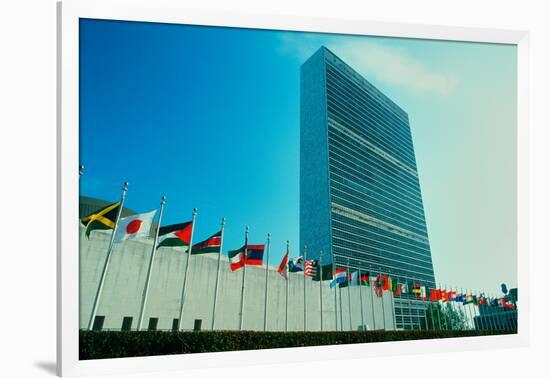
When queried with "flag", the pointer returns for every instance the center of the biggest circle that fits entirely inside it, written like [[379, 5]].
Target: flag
[[211, 245], [135, 226], [405, 288], [395, 286], [254, 254], [443, 295], [378, 285], [283, 271], [236, 258], [416, 290], [398, 290], [423, 295], [364, 280], [339, 276], [103, 219], [175, 235], [354, 279], [435, 295], [327, 273], [311, 268], [359, 280], [296, 264]]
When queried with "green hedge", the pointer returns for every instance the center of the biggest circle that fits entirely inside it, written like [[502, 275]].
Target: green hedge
[[113, 344]]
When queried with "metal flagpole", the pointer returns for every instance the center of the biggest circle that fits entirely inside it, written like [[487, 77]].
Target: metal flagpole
[[188, 262], [371, 287], [349, 297], [321, 285], [305, 262], [266, 279], [408, 302], [287, 284], [382, 301], [217, 276], [447, 317], [392, 297], [244, 277], [341, 311], [335, 296], [440, 310], [150, 268], [107, 259], [361, 300], [470, 323], [425, 312], [464, 308]]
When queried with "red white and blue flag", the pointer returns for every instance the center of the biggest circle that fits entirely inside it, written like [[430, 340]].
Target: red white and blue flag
[[340, 276], [254, 256]]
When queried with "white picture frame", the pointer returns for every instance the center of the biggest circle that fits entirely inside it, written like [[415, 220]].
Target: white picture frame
[[69, 12]]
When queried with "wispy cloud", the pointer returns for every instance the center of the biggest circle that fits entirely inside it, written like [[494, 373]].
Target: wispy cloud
[[391, 65]]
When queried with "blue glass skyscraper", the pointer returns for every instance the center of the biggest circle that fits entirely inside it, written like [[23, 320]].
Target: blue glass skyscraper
[[360, 197]]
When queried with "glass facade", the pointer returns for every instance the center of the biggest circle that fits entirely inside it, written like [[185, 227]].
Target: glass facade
[[360, 195]]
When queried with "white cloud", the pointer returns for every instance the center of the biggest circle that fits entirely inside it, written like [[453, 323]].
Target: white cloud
[[391, 65]]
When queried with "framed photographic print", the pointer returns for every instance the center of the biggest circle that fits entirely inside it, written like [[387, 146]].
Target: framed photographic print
[[232, 187]]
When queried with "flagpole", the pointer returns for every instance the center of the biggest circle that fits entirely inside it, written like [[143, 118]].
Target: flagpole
[[439, 307], [244, 277], [217, 276], [266, 279], [321, 286], [305, 308], [447, 319], [188, 262], [349, 297], [371, 286], [382, 301], [393, 306], [361, 300], [150, 268], [341, 311], [335, 296], [287, 284], [107, 259], [469, 310], [408, 301], [425, 312]]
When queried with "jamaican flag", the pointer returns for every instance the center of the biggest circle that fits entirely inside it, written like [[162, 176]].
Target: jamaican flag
[[103, 219]]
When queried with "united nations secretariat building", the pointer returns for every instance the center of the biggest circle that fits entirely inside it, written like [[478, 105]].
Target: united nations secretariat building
[[360, 203]]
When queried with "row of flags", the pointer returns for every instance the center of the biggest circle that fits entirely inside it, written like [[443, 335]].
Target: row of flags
[[181, 234], [178, 235]]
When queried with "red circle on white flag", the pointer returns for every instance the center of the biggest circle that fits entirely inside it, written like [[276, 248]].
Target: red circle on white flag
[[133, 226]]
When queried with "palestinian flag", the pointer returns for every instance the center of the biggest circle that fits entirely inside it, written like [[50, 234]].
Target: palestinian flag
[[103, 219], [210, 245], [176, 235]]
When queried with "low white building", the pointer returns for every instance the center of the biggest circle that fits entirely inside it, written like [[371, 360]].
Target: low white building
[[124, 283]]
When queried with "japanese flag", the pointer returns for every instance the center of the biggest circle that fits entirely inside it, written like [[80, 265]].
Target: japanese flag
[[135, 226]]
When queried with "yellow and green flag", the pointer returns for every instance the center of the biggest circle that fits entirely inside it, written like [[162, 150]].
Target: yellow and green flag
[[103, 219]]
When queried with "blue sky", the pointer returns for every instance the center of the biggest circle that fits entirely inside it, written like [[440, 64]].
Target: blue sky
[[210, 117]]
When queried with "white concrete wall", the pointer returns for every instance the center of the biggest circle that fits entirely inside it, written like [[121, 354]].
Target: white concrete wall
[[126, 277]]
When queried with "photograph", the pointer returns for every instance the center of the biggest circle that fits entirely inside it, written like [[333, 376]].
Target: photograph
[[244, 188]]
